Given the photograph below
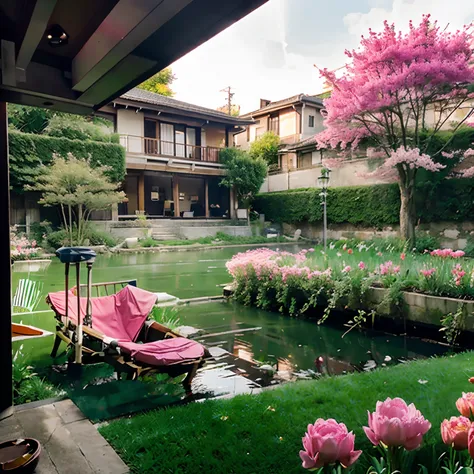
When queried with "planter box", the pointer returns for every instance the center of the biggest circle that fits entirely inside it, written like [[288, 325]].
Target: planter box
[[30, 266], [426, 309]]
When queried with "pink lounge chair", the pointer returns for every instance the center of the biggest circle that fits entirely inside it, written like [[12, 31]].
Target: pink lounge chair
[[133, 344]]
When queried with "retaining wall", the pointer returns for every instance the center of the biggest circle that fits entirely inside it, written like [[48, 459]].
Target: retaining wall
[[451, 234]]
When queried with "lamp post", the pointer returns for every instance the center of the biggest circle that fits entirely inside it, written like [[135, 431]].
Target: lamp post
[[324, 183]]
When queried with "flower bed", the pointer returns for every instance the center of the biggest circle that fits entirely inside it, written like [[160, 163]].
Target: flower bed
[[345, 277]]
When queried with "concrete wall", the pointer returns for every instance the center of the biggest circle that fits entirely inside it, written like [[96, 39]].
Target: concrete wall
[[346, 175], [215, 135], [451, 234], [308, 131], [288, 123], [191, 233], [131, 123]]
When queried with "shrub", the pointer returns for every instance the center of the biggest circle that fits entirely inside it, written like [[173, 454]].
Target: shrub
[[426, 242], [149, 242], [374, 206], [29, 151], [60, 238]]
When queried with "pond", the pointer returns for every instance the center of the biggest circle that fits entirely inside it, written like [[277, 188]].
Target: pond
[[241, 338]]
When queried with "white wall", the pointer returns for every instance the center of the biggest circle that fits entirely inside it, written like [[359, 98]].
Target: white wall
[[346, 175], [308, 131], [288, 123], [131, 123]]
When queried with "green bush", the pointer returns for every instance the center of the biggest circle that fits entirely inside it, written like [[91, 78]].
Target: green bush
[[59, 238], [373, 206], [149, 242], [29, 151]]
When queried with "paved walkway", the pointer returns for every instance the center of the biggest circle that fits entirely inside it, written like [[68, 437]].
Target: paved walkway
[[71, 444]]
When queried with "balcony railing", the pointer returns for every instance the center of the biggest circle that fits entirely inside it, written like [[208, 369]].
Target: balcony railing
[[155, 147]]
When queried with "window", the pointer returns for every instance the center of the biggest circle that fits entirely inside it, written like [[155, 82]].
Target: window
[[311, 121], [274, 124]]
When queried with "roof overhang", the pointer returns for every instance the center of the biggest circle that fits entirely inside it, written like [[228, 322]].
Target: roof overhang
[[113, 46], [280, 106], [232, 121]]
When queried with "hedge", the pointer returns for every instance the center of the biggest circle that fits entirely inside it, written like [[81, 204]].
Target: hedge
[[29, 151], [372, 206]]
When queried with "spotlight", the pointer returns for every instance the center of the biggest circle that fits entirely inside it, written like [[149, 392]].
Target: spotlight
[[56, 36]]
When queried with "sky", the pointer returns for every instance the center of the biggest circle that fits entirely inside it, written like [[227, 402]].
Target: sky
[[271, 53]]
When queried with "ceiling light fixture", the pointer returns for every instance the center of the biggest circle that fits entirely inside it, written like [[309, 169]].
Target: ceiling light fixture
[[56, 36]]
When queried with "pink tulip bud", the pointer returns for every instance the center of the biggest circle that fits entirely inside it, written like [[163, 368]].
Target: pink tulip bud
[[455, 432], [327, 442]]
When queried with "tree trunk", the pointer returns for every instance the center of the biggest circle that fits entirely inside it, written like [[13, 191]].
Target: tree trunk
[[407, 214]]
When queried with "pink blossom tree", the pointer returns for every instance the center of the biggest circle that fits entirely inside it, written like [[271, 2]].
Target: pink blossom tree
[[393, 87]]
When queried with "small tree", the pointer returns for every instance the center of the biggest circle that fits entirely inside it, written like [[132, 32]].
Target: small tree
[[392, 87], [160, 83], [78, 189], [266, 147], [244, 173]]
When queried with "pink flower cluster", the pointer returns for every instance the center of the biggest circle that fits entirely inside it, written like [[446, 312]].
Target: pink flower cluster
[[388, 268], [458, 431], [394, 424], [21, 247], [447, 253], [272, 263], [427, 273], [458, 273]]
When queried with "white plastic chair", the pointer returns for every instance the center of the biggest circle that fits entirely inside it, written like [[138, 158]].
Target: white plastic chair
[[28, 294]]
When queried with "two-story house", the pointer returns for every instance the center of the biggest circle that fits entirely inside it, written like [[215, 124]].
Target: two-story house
[[295, 120], [172, 156]]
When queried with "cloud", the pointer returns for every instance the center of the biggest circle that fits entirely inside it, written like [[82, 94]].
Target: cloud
[[454, 13]]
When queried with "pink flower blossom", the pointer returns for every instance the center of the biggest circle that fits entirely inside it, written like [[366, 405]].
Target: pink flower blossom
[[361, 265], [394, 423], [327, 442], [447, 253], [388, 268], [379, 254], [402, 256], [428, 273], [455, 431], [346, 269], [465, 404]]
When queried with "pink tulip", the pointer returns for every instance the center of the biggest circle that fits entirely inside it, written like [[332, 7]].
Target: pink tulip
[[470, 441], [346, 269], [394, 423], [454, 432], [361, 265], [327, 442], [402, 256], [465, 404]]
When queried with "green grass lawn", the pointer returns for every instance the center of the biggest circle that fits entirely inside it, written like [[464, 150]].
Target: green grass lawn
[[262, 433]]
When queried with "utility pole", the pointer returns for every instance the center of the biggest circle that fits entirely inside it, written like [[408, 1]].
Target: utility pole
[[230, 94]]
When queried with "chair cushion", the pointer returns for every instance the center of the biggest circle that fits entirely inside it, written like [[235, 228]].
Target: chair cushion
[[165, 352]]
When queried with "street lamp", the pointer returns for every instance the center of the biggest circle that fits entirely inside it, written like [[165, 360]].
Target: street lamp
[[324, 183]]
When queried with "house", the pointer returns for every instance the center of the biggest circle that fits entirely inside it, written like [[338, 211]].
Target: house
[[294, 120], [172, 155]]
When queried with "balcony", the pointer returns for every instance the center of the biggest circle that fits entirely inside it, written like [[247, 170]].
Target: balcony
[[153, 147]]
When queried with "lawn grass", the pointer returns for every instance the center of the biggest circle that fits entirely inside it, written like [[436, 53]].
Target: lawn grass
[[262, 433]]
